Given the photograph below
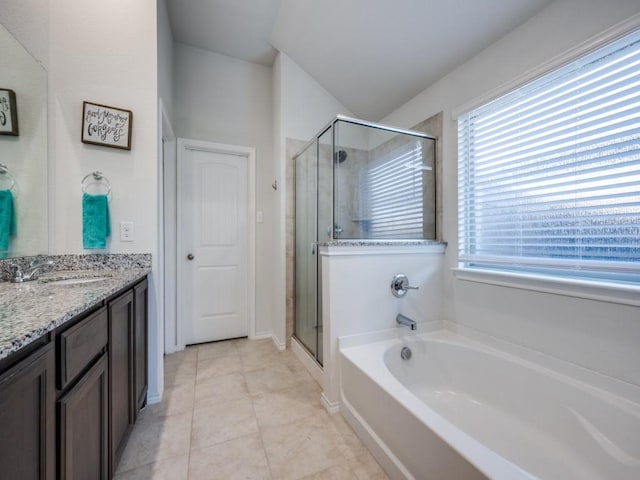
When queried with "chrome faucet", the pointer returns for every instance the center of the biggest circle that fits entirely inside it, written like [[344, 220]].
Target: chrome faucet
[[400, 285], [31, 273], [402, 320]]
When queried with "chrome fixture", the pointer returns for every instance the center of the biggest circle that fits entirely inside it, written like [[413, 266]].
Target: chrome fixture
[[405, 353], [30, 274], [6, 175], [340, 156], [402, 320], [337, 231], [98, 181], [400, 285]]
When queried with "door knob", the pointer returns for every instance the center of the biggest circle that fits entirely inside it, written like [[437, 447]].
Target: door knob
[[190, 256]]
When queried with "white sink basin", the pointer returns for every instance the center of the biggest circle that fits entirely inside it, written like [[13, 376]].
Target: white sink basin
[[77, 281]]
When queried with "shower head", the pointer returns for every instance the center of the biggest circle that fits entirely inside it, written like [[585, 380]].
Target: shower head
[[340, 156]]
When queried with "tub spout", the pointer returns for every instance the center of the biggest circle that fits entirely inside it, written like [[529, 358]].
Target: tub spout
[[402, 320]]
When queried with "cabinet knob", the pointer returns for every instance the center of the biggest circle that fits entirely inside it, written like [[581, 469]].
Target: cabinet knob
[[190, 256]]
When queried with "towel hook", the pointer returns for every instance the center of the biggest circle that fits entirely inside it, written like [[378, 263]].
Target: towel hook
[[96, 178], [4, 172]]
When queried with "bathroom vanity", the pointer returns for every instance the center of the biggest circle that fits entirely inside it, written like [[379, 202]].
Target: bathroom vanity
[[73, 372]]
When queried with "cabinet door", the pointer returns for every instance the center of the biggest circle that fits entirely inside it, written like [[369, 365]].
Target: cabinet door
[[27, 418], [121, 320], [83, 427], [140, 347]]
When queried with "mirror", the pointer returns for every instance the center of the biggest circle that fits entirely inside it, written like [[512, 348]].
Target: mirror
[[24, 155]]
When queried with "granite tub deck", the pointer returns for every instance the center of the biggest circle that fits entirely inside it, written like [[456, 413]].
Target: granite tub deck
[[29, 310]]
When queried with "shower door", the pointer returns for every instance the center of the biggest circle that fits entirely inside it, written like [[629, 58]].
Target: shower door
[[324, 205], [306, 259], [314, 220]]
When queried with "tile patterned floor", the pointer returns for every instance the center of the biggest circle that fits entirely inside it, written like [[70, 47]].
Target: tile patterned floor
[[241, 409]]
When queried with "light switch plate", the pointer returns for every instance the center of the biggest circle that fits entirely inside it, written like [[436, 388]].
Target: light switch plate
[[260, 217], [126, 231]]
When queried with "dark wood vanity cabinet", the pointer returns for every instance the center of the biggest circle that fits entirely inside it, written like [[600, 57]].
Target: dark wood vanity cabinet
[[128, 325], [141, 327], [83, 384], [121, 373], [83, 404], [111, 392], [27, 418]]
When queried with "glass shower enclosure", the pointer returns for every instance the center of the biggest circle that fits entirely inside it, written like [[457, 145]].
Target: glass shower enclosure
[[356, 180]]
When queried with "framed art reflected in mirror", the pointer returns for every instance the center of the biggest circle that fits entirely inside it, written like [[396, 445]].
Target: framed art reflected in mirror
[[8, 112]]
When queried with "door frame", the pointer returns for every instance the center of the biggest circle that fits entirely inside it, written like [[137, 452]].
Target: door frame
[[240, 151]]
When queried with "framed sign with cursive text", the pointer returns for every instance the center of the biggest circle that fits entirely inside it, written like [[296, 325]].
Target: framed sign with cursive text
[[8, 112], [107, 126]]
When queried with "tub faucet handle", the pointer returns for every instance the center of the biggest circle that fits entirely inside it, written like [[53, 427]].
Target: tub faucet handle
[[400, 285]]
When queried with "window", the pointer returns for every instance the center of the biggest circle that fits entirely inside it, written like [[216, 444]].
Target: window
[[549, 174]]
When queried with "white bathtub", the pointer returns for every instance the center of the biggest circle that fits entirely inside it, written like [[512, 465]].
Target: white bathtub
[[461, 410]]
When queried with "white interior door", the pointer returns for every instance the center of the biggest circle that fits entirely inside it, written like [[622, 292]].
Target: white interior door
[[213, 247]]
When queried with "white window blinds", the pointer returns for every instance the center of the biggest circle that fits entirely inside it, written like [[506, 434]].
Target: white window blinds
[[395, 188], [549, 174]]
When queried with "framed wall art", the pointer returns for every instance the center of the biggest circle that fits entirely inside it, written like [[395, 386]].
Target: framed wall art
[[106, 126], [8, 112]]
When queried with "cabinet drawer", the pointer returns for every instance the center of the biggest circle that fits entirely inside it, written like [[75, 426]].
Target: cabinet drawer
[[82, 343]]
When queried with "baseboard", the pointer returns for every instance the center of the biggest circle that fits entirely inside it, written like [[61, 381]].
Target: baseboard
[[279, 345], [261, 336], [331, 407], [308, 361], [154, 397]]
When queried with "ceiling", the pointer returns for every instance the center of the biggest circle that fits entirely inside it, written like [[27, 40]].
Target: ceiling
[[372, 55]]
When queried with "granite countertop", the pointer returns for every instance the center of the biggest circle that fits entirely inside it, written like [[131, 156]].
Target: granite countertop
[[31, 309]]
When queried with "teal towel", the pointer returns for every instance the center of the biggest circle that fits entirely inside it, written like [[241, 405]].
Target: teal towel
[[7, 221], [96, 224]]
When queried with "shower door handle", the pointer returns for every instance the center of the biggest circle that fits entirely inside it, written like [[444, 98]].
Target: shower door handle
[[313, 249]]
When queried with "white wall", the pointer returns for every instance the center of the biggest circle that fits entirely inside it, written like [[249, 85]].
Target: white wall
[[306, 106], [165, 60], [302, 107], [597, 335], [106, 53], [166, 167], [225, 100], [222, 99], [357, 296], [28, 21]]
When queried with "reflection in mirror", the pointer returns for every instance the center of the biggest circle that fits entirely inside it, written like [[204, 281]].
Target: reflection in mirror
[[24, 182]]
